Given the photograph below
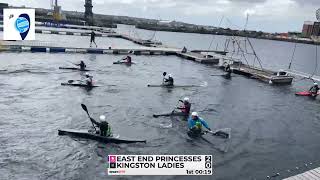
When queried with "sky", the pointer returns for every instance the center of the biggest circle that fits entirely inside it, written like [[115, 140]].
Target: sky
[[264, 15]]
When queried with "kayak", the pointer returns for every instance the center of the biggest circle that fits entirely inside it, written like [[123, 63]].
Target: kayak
[[78, 85], [93, 136], [305, 93], [170, 114], [119, 62], [76, 69], [174, 86]]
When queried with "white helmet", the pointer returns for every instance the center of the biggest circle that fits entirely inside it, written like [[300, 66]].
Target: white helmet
[[194, 114], [102, 118], [186, 99], [170, 75], [315, 83], [87, 74]]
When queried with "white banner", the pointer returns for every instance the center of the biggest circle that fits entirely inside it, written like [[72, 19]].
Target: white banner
[[160, 165], [19, 24]]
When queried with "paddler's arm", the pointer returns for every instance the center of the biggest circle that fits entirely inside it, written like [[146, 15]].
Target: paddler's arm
[[95, 122], [205, 124], [109, 133], [180, 107], [190, 124]]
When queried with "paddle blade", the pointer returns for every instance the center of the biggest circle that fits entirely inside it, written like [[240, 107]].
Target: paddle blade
[[70, 81], [84, 107], [222, 134], [155, 116], [164, 73]]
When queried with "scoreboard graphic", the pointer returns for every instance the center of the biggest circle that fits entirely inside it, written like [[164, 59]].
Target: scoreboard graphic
[[160, 165]]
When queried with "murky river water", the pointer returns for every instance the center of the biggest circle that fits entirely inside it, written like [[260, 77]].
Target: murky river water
[[272, 129]]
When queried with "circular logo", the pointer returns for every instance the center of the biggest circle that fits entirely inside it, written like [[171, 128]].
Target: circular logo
[[22, 25]]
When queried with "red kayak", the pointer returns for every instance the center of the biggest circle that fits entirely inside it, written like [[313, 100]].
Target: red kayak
[[305, 93]]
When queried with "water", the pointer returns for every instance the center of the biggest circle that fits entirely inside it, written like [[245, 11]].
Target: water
[[272, 129]]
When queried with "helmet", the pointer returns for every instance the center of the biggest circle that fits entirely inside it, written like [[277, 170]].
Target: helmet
[[315, 83], [102, 118], [194, 114], [186, 99], [170, 75], [87, 74]]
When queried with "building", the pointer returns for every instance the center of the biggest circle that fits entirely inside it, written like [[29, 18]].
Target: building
[[311, 28], [3, 6], [316, 29], [307, 28], [88, 14]]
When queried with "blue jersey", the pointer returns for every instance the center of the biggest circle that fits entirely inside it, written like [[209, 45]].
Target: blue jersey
[[192, 123]]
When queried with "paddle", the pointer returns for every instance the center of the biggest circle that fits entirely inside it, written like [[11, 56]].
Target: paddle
[[175, 107], [158, 115], [169, 114], [84, 107], [71, 81], [219, 133], [164, 74], [217, 75], [72, 63]]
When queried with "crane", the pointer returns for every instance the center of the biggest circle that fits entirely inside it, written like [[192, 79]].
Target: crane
[[56, 10]]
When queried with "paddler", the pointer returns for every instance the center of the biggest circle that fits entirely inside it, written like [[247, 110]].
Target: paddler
[[127, 60], [168, 81], [185, 108], [195, 124], [105, 129], [314, 89], [184, 49], [82, 65], [228, 70], [88, 79], [92, 39]]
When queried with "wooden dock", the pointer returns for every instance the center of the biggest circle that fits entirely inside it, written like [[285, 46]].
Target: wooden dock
[[214, 51], [265, 75], [79, 27], [49, 48], [313, 174], [150, 48], [199, 57], [147, 43]]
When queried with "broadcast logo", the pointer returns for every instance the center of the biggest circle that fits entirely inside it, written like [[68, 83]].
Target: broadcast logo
[[23, 25], [19, 24], [113, 164]]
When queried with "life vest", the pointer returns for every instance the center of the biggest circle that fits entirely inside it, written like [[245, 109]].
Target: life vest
[[198, 124], [186, 108]]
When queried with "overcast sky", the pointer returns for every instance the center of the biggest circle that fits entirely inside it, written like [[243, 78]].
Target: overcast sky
[[265, 15]]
